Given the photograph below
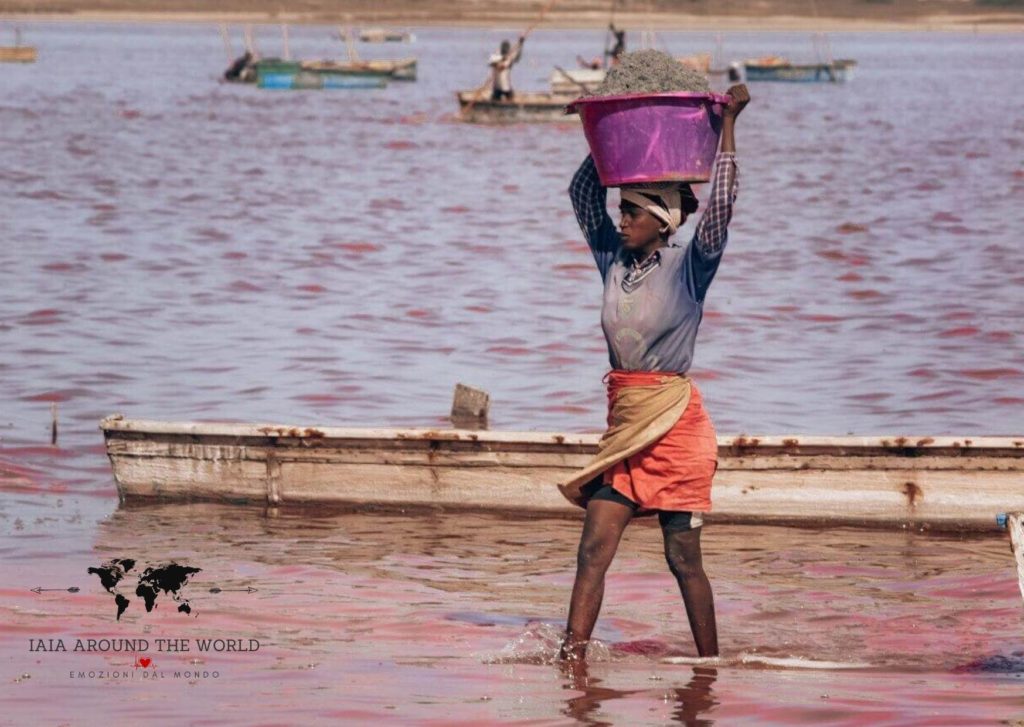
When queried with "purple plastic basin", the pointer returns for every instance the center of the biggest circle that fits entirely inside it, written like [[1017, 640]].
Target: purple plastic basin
[[658, 137]]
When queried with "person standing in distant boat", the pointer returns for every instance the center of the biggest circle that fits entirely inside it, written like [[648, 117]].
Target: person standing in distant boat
[[660, 451], [501, 69], [620, 44]]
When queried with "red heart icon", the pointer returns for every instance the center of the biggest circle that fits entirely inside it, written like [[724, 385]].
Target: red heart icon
[[146, 661]]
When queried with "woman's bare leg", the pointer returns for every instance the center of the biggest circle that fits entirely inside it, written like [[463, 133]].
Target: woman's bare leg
[[682, 551], [602, 530]]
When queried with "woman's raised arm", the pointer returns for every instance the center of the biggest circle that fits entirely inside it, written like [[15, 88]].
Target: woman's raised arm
[[590, 202]]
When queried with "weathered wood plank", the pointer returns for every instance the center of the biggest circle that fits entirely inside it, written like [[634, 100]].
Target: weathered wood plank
[[815, 495], [172, 478], [546, 457], [1012, 446]]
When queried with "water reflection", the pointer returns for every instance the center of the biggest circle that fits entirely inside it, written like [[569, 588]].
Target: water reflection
[[781, 592], [693, 702], [385, 605], [841, 238], [696, 698]]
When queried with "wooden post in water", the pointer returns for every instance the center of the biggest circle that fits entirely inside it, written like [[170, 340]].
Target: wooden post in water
[[227, 43], [287, 45], [53, 423], [347, 35], [470, 407], [250, 45]]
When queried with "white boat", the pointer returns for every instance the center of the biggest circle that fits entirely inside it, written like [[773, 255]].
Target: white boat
[[939, 482]]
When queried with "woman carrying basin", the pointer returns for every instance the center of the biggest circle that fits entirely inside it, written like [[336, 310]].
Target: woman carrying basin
[[659, 453]]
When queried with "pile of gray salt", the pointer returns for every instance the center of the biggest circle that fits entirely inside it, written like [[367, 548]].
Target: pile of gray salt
[[651, 71]]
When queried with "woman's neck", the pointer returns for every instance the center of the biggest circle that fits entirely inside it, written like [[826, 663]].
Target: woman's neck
[[649, 249]]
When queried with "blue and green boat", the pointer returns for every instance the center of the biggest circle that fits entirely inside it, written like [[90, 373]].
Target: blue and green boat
[[294, 75]]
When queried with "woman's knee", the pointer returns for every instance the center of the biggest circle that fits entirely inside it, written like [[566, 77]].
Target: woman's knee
[[683, 560], [595, 554]]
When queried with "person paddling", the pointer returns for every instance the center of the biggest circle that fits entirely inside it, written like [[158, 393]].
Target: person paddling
[[619, 47], [501, 69], [659, 454]]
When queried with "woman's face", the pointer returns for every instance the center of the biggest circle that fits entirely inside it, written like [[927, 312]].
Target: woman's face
[[638, 228]]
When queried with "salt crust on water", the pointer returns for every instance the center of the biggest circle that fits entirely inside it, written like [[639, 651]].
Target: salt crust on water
[[651, 71]]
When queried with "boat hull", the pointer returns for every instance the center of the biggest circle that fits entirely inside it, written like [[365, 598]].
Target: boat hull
[[525, 108], [396, 70], [380, 35], [836, 72], [944, 483], [18, 54], [306, 80], [575, 82], [384, 71]]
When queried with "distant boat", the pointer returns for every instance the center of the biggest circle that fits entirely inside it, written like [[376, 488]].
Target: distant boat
[[18, 53], [700, 62], [576, 82], [249, 67], [478, 108], [383, 35], [383, 71], [403, 69], [780, 69], [292, 76]]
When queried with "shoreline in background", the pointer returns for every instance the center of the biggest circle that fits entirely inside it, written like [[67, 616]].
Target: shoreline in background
[[986, 23]]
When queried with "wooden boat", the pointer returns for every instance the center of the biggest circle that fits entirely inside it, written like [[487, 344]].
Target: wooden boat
[[700, 62], [477, 107], [780, 69], [302, 79], [383, 35], [940, 482], [403, 69], [18, 54], [575, 82]]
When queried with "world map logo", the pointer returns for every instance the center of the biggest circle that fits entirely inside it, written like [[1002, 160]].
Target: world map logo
[[170, 578]]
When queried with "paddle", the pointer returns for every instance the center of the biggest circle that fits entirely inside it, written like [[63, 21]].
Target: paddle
[[227, 43]]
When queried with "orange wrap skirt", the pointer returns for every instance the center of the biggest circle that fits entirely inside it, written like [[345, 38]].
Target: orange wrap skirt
[[675, 472]]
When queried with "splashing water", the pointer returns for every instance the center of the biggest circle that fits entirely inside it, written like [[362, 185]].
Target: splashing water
[[756, 660], [540, 644]]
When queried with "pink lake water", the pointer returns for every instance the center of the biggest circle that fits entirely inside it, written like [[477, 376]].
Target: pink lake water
[[171, 247]]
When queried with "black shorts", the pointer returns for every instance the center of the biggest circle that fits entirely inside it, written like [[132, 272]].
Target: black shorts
[[671, 521]]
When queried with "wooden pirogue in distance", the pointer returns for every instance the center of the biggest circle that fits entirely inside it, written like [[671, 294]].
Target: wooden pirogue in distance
[[17, 53], [952, 483], [525, 107], [779, 69]]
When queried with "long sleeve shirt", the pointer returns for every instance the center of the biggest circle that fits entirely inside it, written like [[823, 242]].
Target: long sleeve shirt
[[650, 315]]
